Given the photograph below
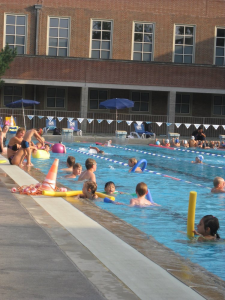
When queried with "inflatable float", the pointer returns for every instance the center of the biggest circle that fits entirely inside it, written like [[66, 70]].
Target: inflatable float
[[73, 193], [41, 154], [159, 146]]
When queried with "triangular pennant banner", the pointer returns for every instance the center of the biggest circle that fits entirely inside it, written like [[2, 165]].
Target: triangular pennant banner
[[40, 117], [159, 123], [119, 121], [139, 122], [90, 120], [168, 124], [30, 117], [148, 122], [80, 120], [70, 119], [60, 118], [99, 120], [50, 118], [206, 126], [197, 125], [223, 126], [109, 121], [187, 125], [129, 122], [177, 125], [215, 126]]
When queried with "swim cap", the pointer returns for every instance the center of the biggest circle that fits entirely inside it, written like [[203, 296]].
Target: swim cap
[[176, 140], [192, 137], [200, 157], [157, 143], [167, 141], [185, 141]]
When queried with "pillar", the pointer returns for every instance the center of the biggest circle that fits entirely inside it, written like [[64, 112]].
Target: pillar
[[84, 107], [171, 104]]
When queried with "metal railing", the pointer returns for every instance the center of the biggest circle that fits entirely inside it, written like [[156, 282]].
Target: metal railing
[[105, 128]]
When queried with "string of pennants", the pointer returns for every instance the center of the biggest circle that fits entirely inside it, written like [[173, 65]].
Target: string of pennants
[[80, 120]]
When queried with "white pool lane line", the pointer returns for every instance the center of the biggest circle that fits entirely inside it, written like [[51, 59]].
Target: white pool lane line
[[146, 279]]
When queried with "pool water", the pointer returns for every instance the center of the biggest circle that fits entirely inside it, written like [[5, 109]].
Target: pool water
[[166, 223]]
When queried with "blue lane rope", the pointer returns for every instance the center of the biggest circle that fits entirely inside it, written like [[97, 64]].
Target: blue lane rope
[[169, 157], [146, 170]]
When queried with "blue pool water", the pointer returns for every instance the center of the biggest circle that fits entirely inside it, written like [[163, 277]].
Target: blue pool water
[[167, 223]]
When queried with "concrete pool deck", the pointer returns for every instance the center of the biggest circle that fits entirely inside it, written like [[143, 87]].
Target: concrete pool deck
[[108, 262]]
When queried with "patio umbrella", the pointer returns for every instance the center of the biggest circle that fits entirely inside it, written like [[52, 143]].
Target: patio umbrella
[[22, 103], [117, 103]]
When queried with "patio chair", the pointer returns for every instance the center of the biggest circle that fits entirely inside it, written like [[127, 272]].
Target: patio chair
[[50, 125], [74, 125], [140, 132]]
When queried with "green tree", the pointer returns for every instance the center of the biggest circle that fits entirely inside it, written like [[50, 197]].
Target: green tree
[[7, 55]]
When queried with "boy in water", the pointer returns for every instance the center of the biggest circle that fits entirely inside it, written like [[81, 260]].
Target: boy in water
[[218, 183], [25, 145], [70, 163], [97, 150], [198, 160], [77, 169], [89, 189], [91, 167], [141, 191], [131, 163]]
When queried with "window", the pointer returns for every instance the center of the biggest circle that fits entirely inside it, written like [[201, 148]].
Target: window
[[219, 105], [220, 47], [141, 101], [15, 32], [143, 41], [96, 97], [12, 93], [182, 104], [58, 43], [56, 97], [101, 39], [184, 44]]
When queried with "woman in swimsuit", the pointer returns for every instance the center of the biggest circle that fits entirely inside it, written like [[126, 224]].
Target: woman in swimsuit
[[13, 151], [3, 139]]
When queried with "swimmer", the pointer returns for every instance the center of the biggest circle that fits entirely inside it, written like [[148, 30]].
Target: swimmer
[[166, 143], [184, 143], [88, 174], [157, 142], [40, 145], [141, 191], [88, 190], [77, 169], [108, 143], [205, 145], [131, 163], [70, 163], [192, 142], [176, 142], [26, 145], [47, 148], [98, 150], [207, 229], [219, 184], [198, 160]]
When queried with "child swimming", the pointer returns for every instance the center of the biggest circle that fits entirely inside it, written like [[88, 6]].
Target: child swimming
[[77, 169], [89, 189], [218, 183], [132, 162], [88, 174], [207, 229], [141, 191], [198, 160], [70, 163]]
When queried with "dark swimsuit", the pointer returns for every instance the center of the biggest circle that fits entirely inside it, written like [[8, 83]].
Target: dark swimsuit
[[25, 144], [14, 147], [4, 145]]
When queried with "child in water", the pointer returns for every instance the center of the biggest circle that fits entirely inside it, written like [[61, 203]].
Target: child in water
[[207, 229], [131, 163], [218, 183], [198, 160], [77, 169], [70, 163], [88, 190], [141, 191]]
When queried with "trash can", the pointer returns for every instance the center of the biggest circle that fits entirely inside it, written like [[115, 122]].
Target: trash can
[[121, 134]]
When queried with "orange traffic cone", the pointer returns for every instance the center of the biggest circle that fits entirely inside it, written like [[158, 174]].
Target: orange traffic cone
[[49, 183]]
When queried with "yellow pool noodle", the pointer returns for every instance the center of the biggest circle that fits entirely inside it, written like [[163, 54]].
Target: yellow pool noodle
[[191, 214], [73, 193]]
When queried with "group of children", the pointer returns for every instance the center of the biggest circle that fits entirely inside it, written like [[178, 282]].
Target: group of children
[[191, 143]]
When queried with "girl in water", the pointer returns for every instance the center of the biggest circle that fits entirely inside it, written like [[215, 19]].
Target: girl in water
[[3, 133], [207, 229]]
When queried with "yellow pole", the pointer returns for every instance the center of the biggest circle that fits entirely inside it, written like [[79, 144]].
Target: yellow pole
[[191, 214]]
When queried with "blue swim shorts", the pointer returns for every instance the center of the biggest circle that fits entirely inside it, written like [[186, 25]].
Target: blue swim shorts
[[25, 144]]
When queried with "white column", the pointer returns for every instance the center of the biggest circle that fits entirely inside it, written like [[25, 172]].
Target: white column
[[84, 107]]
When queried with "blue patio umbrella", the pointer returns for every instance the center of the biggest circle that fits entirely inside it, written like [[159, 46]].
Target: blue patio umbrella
[[22, 103], [117, 103]]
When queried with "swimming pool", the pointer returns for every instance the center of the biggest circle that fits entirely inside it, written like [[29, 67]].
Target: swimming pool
[[167, 223]]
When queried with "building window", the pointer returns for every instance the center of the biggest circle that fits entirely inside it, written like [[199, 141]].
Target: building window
[[219, 105], [58, 40], [182, 104], [143, 41], [184, 44], [141, 101], [56, 97], [12, 93], [96, 97], [101, 39], [220, 47], [15, 32]]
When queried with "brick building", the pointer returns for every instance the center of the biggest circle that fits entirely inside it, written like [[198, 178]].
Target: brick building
[[166, 56]]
